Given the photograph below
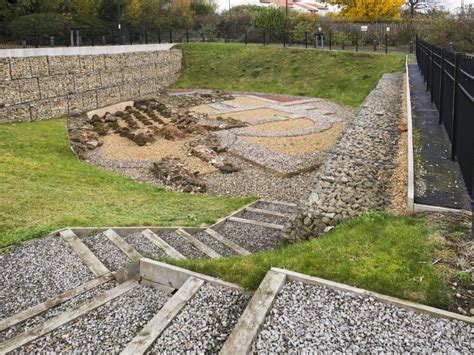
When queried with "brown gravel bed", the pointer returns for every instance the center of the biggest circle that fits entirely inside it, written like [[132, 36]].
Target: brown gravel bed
[[182, 245]]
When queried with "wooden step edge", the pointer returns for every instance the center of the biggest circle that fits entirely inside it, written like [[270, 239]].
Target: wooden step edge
[[198, 244], [87, 256], [256, 223], [267, 212], [53, 302], [153, 329], [227, 242], [250, 322], [160, 243], [120, 243], [65, 318]]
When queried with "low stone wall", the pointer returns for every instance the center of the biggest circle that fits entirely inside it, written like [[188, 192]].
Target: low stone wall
[[47, 86], [355, 177]]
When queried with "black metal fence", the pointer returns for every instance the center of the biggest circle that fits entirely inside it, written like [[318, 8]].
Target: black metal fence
[[449, 77], [383, 38]]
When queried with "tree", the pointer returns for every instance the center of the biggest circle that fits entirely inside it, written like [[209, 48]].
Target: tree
[[203, 7], [112, 9], [370, 10], [144, 12], [82, 7], [271, 19], [412, 6]]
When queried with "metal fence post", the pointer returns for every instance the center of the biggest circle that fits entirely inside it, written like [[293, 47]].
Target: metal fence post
[[159, 35], [93, 36], [245, 34], [264, 41], [171, 35], [386, 43], [306, 39], [431, 76], [146, 35], [187, 35], [330, 40], [284, 38], [441, 81], [454, 110], [35, 35], [357, 41]]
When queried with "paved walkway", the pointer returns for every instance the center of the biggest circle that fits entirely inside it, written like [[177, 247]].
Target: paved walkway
[[438, 180]]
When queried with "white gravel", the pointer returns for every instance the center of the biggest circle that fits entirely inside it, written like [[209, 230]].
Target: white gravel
[[308, 318], [182, 245], [251, 237], [214, 244], [111, 256], [144, 246], [204, 324], [108, 328], [43, 317], [36, 271], [264, 218]]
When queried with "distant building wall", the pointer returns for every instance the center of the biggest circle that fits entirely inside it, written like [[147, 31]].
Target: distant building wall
[[58, 82]]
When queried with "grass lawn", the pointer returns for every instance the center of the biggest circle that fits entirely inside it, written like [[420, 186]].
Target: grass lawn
[[44, 187], [344, 77], [392, 255]]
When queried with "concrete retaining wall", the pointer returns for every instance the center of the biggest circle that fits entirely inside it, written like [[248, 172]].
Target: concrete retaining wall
[[36, 87]]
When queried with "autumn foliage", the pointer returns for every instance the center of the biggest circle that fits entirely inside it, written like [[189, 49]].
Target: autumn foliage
[[371, 10]]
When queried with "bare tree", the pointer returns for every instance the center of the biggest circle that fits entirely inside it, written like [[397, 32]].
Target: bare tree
[[412, 5]]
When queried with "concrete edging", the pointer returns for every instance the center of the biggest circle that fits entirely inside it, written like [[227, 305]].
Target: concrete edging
[[417, 307], [411, 166]]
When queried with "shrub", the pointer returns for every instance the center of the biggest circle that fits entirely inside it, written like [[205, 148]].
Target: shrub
[[47, 24]]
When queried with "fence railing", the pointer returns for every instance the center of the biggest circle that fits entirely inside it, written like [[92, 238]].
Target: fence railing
[[449, 78], [334, 37]]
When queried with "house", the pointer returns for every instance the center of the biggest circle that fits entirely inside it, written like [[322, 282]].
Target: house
[[320, 8]]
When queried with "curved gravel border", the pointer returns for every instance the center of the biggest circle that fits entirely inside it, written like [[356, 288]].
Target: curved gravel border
[[204, 324], [309, 318], [108, 328], [36, 271]]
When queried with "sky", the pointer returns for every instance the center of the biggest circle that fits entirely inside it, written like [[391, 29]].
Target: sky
[[224, 4]]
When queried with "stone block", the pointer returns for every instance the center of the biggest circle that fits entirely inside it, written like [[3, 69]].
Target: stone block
[[108, 96], [86, 63], [131, 74], [5, 69], [114, 61], [74, 103], [29, 89], [129, 91], [99, 62], [86, 81], [41, 110], [58, 85], [39, 66], [64, 65], [20, 68], [89, 100], [59, 106], [148, 71], [111, 78], [19, 113], [9, 93]]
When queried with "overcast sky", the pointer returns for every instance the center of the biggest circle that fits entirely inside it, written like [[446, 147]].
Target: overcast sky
[[224, 4]]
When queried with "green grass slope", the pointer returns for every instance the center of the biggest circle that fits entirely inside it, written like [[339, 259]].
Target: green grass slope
[[44, 187], [344, 77], [392, 255]]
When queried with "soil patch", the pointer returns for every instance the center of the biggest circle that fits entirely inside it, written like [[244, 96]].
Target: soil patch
[[253, 115], [301, 144], [120, 148], [247, 101]]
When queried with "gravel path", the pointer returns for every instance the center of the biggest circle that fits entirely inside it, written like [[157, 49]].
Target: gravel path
[[36, 271], [144, 246], [251, 237], [43, 317], [204, 323], [265, 218], [275, 207], [108, 328], [308, 318], [111, 256], [214, 244], [182, 245], [253, 180]]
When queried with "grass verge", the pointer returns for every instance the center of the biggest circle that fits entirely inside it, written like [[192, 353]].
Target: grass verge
[[44, 187], [343, 77], [392, 255]]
